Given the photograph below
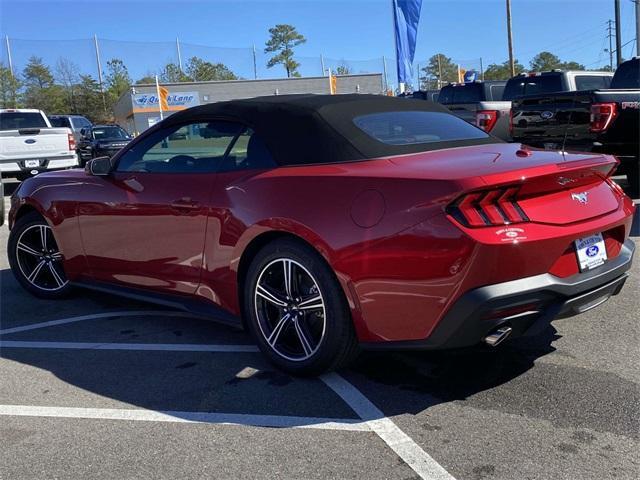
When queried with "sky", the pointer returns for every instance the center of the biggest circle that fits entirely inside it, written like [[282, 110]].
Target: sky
[[356, 32]]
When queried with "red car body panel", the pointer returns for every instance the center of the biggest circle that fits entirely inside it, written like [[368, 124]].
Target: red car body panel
[[382, 225]]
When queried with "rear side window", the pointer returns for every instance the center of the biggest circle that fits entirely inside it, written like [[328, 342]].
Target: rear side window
[[60, 122], [469, 93], [19, 120], [81, 122], [627, 75], [534, 85], [248, 153], [496, 92], [592, 82], [415, 127]]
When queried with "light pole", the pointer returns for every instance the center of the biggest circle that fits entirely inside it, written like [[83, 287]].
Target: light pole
[[510, 37], [637, 2], [618, 34]]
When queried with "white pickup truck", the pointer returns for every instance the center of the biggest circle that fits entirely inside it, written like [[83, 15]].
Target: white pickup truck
[[29, 145]]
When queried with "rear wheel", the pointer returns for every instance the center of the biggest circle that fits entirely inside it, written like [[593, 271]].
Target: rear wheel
[[35, 258], [296, 310]]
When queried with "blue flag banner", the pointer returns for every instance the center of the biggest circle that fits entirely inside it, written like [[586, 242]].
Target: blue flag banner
[[406, 15]]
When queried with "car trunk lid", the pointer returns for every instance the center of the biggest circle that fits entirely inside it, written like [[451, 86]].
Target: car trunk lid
[[549, 187]]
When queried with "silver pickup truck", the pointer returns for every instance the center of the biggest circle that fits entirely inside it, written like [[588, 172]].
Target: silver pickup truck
[[29, 145], [494, 116]]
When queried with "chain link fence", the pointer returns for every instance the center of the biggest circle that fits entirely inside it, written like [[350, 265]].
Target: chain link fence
[[150, 58]]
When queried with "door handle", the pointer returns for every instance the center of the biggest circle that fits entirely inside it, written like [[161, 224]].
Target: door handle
[[185, 204]]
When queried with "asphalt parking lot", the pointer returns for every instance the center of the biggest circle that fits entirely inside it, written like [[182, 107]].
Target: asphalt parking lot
[[102, 387]]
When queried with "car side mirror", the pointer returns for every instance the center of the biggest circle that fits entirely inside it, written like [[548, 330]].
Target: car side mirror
[[83, 131], [100, 167]]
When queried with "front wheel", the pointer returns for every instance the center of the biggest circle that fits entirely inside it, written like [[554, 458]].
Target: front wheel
[[297, 311], [35, 258]]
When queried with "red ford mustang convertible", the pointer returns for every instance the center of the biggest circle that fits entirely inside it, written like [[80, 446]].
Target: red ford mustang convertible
[[328, 223]]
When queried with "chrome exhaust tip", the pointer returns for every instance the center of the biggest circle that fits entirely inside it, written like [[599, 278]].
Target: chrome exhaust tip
[[496, 337]]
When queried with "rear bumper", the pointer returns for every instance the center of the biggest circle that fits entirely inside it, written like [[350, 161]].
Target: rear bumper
[[69, 161], [545, 296]]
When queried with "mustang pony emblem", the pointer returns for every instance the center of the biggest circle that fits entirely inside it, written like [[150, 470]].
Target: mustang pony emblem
[[580, 197]]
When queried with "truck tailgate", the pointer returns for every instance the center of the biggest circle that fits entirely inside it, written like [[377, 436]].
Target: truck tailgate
[[545, 121], [43, 143]]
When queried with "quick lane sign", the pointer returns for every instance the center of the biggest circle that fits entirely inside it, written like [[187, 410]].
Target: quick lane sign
[[148, 102]]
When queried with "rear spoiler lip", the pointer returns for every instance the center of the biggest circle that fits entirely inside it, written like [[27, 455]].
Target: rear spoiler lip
[[521, 176]]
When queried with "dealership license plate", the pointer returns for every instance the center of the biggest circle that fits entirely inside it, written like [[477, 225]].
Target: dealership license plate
[[31, 163], [591, 251]]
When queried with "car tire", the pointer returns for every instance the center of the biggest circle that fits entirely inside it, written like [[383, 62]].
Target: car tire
[[303, 327], [35, 259]]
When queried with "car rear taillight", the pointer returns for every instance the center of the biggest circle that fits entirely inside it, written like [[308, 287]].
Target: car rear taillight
[[72, 142], [488, 208], [486, 119], [602, 114]]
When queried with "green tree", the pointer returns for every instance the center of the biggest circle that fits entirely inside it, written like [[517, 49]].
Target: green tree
[[502, 71], [571, 66], [439, 71], [283, 39], [67, 74], [90, 101], [41, 92], [9, 88], [37, 74], [117, 80], [200, 70], [171, 73], [545, 61], [343, 69], [148, 78]]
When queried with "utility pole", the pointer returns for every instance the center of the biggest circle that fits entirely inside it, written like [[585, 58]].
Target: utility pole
[[439, 72], [481, 70], [618, 34], [104, 100], [6, 38], [610, 35], [179, 54], [255, 64], [384, 69], [510, 37]]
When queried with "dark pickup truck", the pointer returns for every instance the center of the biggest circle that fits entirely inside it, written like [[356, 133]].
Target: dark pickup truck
[[603, 120]]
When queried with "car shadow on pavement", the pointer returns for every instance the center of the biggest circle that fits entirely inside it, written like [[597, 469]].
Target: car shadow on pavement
[[193, 381]]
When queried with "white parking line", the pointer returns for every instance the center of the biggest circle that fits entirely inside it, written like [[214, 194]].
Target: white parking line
[[95, 316], [171, 347], [140, 415], [410, 452], [372, 418]]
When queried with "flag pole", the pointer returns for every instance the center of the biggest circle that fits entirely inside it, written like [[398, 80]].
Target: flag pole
[[159, 99]]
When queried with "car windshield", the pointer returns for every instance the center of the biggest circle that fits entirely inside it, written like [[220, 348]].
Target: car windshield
[[20, 120], [415, 127], [111, 133]]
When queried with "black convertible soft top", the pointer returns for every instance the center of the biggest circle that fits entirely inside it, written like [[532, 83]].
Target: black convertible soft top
[[309, 129]]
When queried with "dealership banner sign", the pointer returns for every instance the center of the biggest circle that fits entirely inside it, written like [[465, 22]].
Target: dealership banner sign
[[148, 102], [406, 15]]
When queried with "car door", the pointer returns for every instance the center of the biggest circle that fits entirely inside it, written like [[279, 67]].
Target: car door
[[144, 224], [230, 214]]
